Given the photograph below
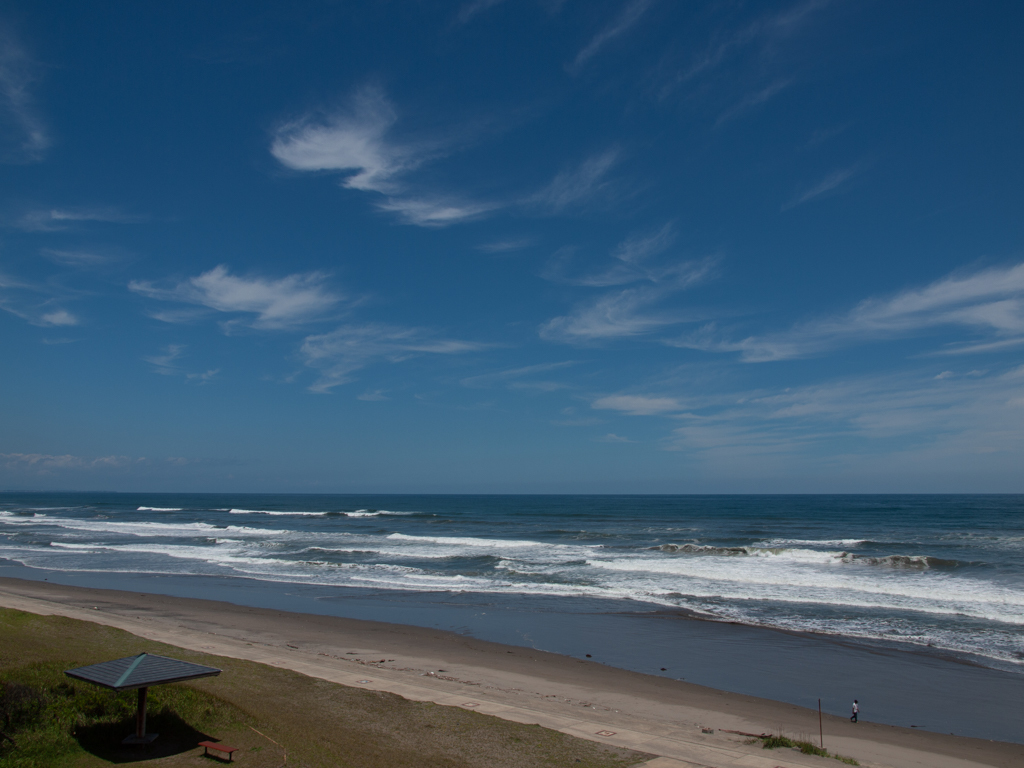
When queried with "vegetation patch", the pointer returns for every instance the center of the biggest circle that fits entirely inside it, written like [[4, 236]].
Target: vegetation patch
[[266, 712], [780, 742]]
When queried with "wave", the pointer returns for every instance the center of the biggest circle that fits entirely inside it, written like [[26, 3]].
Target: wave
[[159, 509], [275, 512], [357, 513], [844, 543], [893, 561]]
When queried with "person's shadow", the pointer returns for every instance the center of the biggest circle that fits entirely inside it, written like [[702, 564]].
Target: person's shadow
[[104, 739]]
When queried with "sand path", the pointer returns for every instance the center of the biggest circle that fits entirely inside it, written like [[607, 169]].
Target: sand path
[[581, 698]]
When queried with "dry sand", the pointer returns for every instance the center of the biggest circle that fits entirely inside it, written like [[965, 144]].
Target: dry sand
[[581, 698]]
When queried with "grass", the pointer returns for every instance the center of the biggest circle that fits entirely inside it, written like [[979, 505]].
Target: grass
[[777, 742], [57, 722]]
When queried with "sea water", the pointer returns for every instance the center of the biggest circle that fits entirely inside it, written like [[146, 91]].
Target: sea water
[[930, 586]]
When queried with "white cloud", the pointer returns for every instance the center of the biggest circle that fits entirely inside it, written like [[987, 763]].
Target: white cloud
[[58, 219], [990, 300], [611, 437], [505, 246], [358, 142], [434, 213], [60, 317], [615, 315], [753, 100], [22, 300], [638, 405], [508, 376], [74, 258], [629, 311], [202, 378], [280, 303], [629, 16], [165, 363], [471, 9], [22, 131], [338, 354], [43, 463], [831, 182], [353, 141], [571, 187], [904, 416], [374, 396], [632, 263], [766, 30]]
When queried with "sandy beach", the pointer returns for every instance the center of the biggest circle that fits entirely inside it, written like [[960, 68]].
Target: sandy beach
[[582, 698]]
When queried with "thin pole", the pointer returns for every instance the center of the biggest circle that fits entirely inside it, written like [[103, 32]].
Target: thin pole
[[821, 734], [140, 717]]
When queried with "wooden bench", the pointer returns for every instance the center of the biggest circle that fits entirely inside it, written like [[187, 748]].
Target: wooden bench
[[208, 745]]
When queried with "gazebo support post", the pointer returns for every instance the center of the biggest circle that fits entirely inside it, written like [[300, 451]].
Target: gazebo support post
[[140, 716], [140, 736]]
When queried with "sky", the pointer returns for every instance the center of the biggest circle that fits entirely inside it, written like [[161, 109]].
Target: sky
[[512, 246]]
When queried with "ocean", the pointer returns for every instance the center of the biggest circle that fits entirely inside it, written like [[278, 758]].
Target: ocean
[[842, 588]]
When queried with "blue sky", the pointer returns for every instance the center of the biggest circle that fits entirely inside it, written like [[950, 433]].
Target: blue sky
[[632, 246]]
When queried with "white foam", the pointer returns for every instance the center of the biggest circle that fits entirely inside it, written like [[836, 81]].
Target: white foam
[[159, 509], [274, 512]]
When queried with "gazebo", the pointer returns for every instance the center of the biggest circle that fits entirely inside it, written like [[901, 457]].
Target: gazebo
[[140, 672]]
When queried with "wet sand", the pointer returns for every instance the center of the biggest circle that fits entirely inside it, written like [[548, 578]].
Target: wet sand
[[584, 698]]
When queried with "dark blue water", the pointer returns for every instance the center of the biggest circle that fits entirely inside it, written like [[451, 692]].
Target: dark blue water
[[914, 589]]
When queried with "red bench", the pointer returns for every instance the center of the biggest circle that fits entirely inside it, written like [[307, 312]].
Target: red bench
[[208, 745]]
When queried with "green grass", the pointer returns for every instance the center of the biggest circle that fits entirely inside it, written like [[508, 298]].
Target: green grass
[[778, 742], [57, 722]]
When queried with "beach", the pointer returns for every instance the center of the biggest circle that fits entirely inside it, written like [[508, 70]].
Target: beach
[[581, 697]]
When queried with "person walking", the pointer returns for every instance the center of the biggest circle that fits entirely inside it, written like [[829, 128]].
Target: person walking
[[856, 711]]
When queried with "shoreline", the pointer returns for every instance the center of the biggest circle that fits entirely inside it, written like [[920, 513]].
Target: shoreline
[[508, 681]]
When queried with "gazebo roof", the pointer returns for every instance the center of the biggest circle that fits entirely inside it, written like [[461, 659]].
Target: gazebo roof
[[140, 672]]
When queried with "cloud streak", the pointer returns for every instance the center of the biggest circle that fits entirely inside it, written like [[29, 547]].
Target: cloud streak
[[631, 311], [24, 137], [988, 301], [627, 18], [342, 352], [276, 304], [574, 186], [358, 142]]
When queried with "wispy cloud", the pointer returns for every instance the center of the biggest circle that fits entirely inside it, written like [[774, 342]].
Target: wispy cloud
[[44, 463], [765, 31], [752, 100], [611, 437], [630, 15], [937, 423], [24, 300], [75, 258], [23, 135], [342, 352], [577, 185], [164, 363], [637, 405], [471, 9], [512, 377], [612, 316], [505, 246], [628, 311], [276, 303], [358, 142], [828, 184], [632, 261], [57, 318], [58, 219], [990, 300]]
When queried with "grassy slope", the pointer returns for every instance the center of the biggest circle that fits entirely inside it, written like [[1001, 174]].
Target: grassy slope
[[318, 723]]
